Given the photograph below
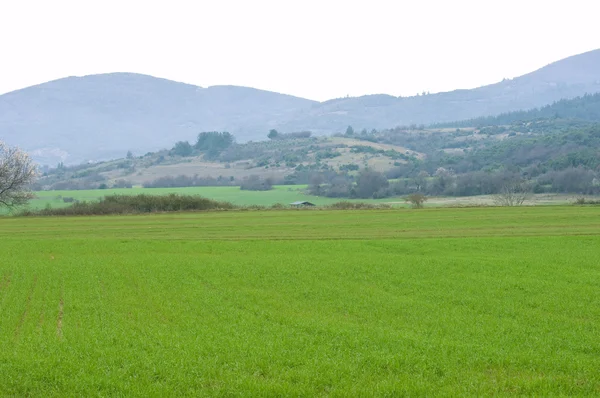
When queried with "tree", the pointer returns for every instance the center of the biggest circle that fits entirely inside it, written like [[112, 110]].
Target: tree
[[273, 134], [17, 172], [212, 143], [421, 181], [213, 140], [349, 131], [442, 181], [182, 148], [255, 183], [513, 193], [416, 199], [129, 155], [370, 182], [314, 185]]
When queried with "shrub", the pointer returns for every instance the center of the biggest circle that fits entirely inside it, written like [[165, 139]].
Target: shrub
[[349, 167], [583, 201], [124, 204], [345, 205], [416, 200]]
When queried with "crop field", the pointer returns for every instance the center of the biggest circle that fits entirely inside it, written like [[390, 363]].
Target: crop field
[[436, 301]]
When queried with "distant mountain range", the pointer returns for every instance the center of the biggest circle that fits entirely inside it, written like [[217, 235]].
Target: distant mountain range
[[103, 116]]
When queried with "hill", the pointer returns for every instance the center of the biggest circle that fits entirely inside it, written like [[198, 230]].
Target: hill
[[282, 161], [102, 116], [585, 108], [568, 78]]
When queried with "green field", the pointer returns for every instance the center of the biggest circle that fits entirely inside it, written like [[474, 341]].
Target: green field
[[449, 302], [283, 194]]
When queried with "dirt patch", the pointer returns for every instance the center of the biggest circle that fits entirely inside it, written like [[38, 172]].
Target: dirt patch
[[353, 142]]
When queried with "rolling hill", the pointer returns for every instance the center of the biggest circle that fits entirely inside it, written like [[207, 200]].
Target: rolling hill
[[568, 78], [102, 116]]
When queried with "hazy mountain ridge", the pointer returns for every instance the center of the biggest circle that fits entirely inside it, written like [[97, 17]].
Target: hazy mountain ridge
[[568, 78], [122, 111], [103, 116]]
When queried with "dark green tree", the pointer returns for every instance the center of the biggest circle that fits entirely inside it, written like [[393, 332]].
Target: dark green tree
[[212, 143], [182, 148], [370, 182]]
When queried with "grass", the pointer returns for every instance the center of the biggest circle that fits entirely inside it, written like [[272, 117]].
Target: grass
[[283, 194], [448, 302]]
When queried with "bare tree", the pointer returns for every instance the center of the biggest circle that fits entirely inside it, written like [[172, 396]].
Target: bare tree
[[17, 172], [513, 193]]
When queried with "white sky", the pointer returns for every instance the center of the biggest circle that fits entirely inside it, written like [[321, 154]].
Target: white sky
[[309, 48]]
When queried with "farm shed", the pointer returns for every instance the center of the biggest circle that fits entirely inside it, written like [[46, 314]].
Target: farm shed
[[302, 204]]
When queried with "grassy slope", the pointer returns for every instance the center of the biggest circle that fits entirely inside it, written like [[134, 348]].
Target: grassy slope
[[147, 170], [451, 301]]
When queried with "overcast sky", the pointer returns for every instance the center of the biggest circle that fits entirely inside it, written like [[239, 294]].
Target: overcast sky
[[318, 49]]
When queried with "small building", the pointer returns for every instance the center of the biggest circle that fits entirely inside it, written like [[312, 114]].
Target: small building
[[302, 204]]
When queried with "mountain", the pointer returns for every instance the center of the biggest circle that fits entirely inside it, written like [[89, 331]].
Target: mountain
[[585, 108], [102, 116], [568, 78]]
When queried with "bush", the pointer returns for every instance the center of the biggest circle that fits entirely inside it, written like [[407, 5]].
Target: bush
[[134, 204], [345, 205], [349, 167], [416, 200], [327, 154], [583, 201]]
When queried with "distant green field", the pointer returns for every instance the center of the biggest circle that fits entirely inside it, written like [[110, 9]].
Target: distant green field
[[453, 302], [283, 194]]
